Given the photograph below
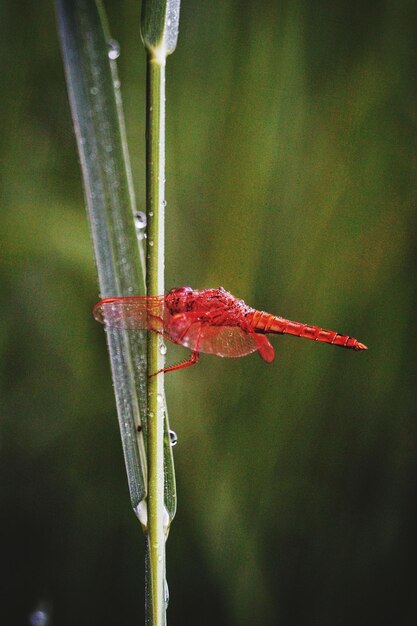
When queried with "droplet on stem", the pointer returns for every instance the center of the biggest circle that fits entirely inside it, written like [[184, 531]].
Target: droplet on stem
[[173, 438]]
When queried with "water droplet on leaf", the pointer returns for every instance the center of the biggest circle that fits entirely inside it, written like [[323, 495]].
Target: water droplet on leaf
[[140, 220], [38, 618], [166, 593], [113, 49], [142, 513], [173, 438], [140, 224]]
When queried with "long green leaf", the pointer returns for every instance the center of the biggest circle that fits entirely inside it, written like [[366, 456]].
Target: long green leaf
[[159, 28], [96, 111]]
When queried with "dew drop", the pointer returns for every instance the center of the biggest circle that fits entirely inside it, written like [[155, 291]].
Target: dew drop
[[159, 398], [166, 521], [150, 242], [142, 513], [166, 593], [150, 213], [113, 49], [94, 91], [116, 84], [162, 348], [173, 438], [140, 225], [140, 220], [39, 618]]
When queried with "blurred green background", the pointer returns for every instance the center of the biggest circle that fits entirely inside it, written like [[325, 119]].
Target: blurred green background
[[291, 182]]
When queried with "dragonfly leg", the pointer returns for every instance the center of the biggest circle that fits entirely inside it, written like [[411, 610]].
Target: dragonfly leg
[[179, 366], [165, 336]]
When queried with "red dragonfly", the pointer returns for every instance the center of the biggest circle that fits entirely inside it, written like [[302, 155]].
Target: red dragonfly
[[211, 321]]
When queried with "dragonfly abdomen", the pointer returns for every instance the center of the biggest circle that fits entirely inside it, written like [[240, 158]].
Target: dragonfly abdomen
[[266, 323]]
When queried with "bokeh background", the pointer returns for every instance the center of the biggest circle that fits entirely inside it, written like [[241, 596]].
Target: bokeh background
[[292, 183]]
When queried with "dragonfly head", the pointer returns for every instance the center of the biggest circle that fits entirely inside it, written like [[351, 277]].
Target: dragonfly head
[[180, 300]]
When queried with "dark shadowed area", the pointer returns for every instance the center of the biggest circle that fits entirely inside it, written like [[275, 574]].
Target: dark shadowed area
[[291, 181]]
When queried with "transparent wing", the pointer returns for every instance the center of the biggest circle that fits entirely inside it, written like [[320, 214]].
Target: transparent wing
[[225, 341], [132, 313]]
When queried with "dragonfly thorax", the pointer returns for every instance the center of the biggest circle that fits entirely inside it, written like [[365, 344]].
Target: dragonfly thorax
[[187, 300]]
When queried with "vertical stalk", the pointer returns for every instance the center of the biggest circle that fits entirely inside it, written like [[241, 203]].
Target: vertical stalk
[[159, 29], [155, 204]]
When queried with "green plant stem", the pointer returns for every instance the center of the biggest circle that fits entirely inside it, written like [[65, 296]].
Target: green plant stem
[[155, 202]]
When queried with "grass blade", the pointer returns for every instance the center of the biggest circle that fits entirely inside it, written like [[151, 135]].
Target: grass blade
[[159, 27], [98, 122]]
